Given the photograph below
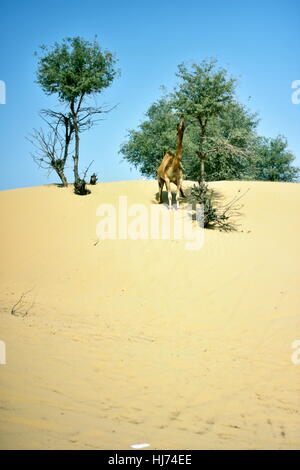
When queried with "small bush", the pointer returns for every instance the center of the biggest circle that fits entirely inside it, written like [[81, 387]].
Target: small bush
[[93, 179], [80, 187], [214, 216]]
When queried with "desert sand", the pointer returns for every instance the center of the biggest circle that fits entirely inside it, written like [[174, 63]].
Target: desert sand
[[117, 342]]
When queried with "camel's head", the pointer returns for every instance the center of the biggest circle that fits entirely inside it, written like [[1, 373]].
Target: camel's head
[[180, 125]]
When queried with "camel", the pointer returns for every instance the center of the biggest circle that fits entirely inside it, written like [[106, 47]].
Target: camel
[[170, 169]]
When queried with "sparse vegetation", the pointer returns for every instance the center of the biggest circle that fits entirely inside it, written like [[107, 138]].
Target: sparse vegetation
[[93, 179], [22, 307], [73, 70], [215, 216], [221, 140]]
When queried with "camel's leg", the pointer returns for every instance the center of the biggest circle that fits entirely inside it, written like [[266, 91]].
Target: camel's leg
[[178, 192], [161, 187], [177, 198], [168, 185]]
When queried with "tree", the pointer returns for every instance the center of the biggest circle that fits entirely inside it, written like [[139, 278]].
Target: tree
[[146, 146], [75, 70], [156, 135], [233, 136], [203, 95], [229, 144], [52, 147], [274, 161]]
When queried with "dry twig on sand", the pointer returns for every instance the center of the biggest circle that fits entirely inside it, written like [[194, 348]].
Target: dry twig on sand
[[18, 307]]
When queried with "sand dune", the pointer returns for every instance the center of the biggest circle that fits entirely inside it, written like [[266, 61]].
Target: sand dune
[[117, 342]]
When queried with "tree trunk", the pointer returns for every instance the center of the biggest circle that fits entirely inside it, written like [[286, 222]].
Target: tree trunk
[[63, 178], [201, 152], [68, 136], [76, 156], [76, 174], [76, 131], [59, 170], [202, 170]]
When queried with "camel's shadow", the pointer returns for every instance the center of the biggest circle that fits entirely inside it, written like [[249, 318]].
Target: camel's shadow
[[165, 200], [196, 213], [217, 198]]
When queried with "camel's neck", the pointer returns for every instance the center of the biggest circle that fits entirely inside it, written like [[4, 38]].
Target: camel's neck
[[180, 133]]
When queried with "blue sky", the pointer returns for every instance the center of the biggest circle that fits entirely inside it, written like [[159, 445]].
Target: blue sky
[[257, 41]]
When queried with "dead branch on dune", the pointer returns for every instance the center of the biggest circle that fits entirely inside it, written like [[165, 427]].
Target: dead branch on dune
[[18, 307]]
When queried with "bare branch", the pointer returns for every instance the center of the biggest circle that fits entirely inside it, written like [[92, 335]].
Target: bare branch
[[19, 304], [52, 147], [224, 144], [87, 169]]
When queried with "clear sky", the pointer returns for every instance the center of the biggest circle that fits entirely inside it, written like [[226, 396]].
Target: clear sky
[[257, 41]]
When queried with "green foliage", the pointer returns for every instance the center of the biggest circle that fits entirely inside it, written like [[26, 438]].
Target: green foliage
[[219, 130], [274, 161], [205, 95], [214, 216], [201, 194], [157, 134], [75, 68], [204, 91], [233, 138]]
